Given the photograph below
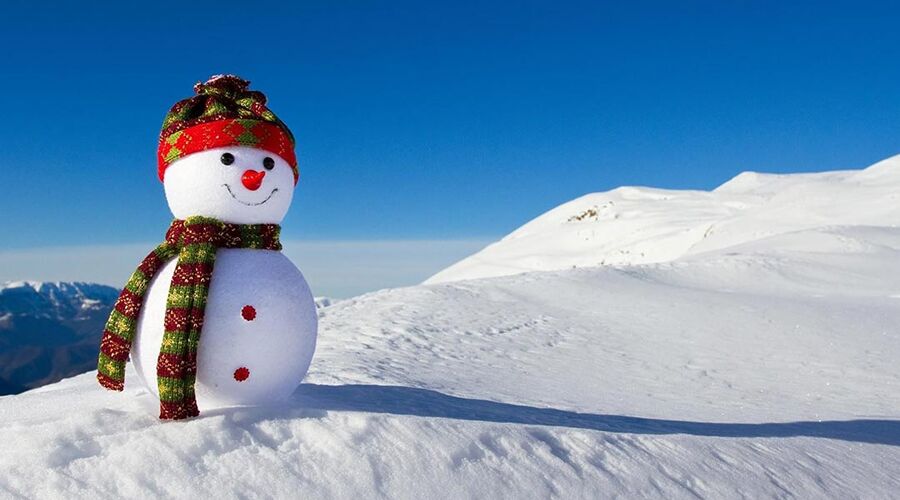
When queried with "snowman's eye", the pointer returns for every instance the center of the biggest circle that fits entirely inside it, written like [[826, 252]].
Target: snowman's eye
[[268, 163], [227, 158]]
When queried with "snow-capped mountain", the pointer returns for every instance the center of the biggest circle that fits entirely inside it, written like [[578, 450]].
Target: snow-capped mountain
[[49, 331], [758, 361], [638, 225]]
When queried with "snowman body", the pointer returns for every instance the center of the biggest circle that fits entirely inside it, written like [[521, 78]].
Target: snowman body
[[259, 329], [260, 321]]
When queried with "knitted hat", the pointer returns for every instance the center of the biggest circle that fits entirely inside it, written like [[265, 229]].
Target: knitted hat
[[223, 113]]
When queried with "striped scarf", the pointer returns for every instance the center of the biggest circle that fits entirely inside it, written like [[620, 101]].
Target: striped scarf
[[194, 242]]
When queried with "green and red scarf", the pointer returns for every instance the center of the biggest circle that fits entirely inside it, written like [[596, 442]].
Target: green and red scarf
[[194, 243]]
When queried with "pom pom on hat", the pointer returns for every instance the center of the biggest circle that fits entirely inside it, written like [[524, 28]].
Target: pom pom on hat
[[225, 112]]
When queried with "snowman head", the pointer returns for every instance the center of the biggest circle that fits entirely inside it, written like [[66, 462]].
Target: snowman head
[[224, 154], [237, 184]]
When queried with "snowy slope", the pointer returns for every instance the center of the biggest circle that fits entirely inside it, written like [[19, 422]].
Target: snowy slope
[[764, 370], [636, 225]]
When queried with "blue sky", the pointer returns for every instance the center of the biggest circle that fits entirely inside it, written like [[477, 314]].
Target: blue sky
[[436, 120]]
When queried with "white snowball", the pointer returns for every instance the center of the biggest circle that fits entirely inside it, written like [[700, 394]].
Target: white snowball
[[276, 346], [200, 184]]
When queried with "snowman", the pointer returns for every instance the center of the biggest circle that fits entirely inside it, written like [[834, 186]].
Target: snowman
[[216, 315]]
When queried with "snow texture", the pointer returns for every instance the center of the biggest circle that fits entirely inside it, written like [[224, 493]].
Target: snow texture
[[763, 366]]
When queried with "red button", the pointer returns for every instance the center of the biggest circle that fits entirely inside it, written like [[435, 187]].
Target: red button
[[241, 374], [248, 313]]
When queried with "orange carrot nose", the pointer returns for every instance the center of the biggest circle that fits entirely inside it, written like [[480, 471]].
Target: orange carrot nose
[[252, 179]]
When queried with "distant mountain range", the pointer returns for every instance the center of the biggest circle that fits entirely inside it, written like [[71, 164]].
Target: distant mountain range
[[49, 331]]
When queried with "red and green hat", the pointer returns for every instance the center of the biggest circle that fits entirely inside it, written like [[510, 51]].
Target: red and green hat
[[223, 113]]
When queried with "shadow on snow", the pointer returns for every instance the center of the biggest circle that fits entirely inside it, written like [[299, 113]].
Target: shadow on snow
[[426, 403]]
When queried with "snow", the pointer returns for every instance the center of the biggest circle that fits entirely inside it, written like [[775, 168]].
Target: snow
[[323, 302], [759, 363], [74, 301], [35, 285], [638, 225]]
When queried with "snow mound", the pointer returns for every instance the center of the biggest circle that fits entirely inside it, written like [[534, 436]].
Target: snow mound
[[764, 371], [637, 225]]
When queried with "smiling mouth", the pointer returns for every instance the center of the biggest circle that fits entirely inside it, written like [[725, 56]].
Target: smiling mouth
[[250, 204]]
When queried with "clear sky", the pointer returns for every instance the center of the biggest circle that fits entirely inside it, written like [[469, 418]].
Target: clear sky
[[436, 120]]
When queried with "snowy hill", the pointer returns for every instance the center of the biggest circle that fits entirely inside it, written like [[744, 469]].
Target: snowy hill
[[49, 331], [761, 362], [636, 225], [737, 376]]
